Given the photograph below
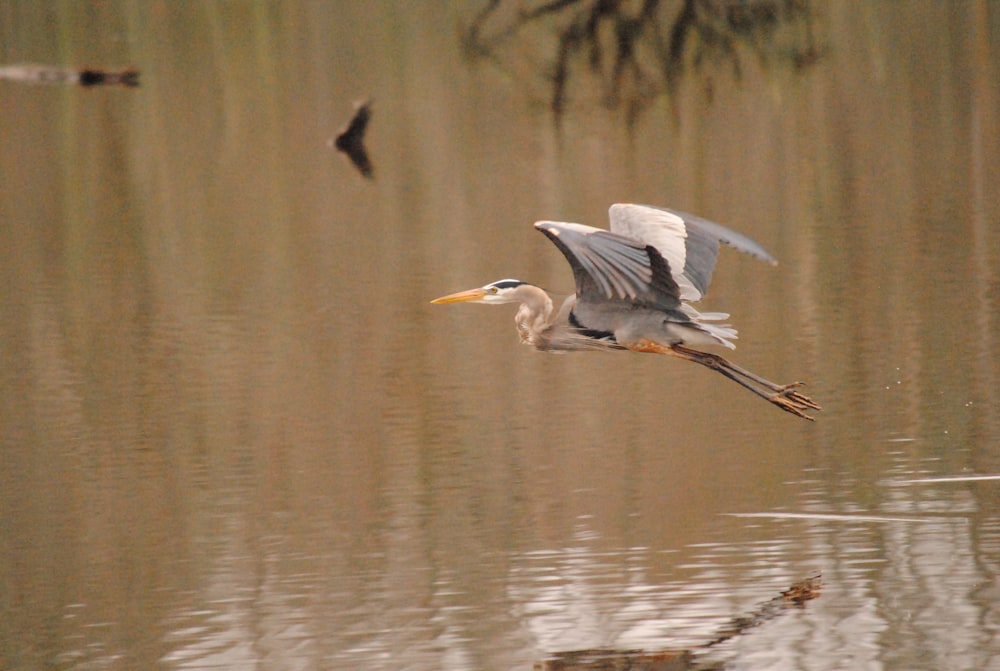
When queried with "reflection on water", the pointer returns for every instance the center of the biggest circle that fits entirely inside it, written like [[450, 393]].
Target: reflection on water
[[632, 55], [235, 434]]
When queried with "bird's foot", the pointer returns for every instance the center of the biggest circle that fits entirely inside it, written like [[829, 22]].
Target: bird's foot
[[789, 392], [791, 385], [792, 401]]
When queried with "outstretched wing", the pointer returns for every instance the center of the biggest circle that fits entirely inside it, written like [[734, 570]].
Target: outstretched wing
[[609, 267], [689, 244]]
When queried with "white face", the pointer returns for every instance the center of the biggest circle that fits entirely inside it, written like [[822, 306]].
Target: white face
[[501, 291]]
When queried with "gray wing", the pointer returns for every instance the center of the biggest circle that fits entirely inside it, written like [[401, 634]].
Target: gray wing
[[609, 267], [689, 244]]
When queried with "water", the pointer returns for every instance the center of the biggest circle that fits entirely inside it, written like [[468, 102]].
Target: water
[[236, 435]]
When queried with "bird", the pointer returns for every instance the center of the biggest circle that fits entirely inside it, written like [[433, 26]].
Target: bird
[[351, 139], [634, 287]]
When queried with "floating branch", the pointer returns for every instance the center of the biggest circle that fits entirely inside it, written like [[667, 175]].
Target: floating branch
[[608, 659], [32, 73], [793, 597]]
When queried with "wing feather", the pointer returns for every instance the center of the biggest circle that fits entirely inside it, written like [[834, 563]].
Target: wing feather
[[608, 266], [689, 244]]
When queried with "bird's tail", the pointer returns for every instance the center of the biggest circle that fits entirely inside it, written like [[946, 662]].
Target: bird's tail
[[723, 334]]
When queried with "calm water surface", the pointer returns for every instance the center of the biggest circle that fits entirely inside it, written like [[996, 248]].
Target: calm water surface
[[235, 435]]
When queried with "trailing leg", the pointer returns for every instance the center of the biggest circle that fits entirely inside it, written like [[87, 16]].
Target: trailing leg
[[784, 396]]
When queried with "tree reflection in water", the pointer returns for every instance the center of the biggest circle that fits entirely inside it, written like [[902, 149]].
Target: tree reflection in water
[[637, 50]]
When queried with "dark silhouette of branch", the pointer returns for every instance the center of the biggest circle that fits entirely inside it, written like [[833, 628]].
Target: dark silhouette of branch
[[639, 50], [610, 659]]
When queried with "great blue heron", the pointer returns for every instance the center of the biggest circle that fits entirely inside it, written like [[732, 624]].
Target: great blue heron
[[634, 285]]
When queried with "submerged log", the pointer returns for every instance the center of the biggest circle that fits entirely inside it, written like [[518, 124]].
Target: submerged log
[[793, 597], [608, 659], [33, 73], [600, 659]]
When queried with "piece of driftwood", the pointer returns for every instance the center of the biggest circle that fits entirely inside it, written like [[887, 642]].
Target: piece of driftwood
[[33, 73], [793, 597], [608, 659], [600, 659]]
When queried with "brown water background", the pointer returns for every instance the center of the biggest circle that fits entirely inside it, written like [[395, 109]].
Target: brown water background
[[235, 435]]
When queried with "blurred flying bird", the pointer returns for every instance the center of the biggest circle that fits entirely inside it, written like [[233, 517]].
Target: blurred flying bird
[[351, 139]]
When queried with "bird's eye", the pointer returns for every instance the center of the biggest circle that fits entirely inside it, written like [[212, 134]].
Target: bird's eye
[[493, 290]]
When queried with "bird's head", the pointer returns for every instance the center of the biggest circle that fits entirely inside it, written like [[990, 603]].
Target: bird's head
[[501, 291]]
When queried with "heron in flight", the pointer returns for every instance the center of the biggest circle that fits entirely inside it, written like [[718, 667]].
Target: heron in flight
[[634, 289]]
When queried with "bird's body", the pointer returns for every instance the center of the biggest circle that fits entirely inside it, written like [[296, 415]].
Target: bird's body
[[547, 330], [634, 288]]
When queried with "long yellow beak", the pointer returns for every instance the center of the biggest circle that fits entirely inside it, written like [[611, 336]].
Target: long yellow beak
[[461, 297]]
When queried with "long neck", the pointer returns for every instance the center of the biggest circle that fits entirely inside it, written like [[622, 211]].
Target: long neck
[[533, 317]]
